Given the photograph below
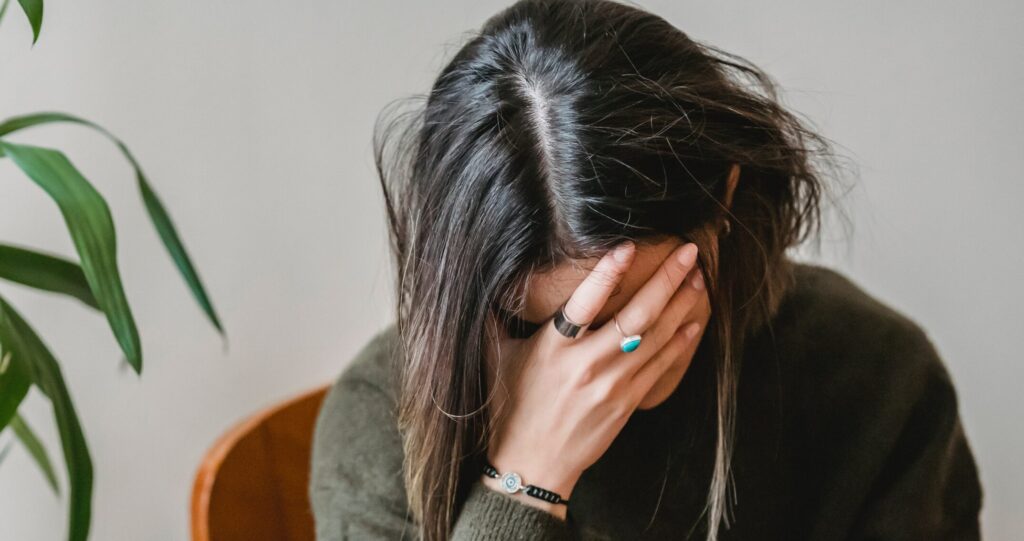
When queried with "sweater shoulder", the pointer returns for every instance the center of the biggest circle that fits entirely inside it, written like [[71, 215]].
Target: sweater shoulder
[[869, 414], [834, 331], [356, 489], [829, 301], [375, 363]]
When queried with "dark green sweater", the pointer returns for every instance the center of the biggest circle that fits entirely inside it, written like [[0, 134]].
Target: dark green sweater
[[847, 428]]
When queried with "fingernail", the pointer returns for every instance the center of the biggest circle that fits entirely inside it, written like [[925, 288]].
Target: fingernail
[[698, 280], [621, 253], [692, 329], [688, 254]]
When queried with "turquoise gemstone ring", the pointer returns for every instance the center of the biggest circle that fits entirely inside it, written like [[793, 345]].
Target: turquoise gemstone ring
[[629, 342]]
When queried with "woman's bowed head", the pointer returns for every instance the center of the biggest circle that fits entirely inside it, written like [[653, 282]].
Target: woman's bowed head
[[590, 154], [578, 393]]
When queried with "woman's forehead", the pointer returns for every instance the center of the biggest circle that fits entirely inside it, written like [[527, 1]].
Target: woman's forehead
[[546, 291]]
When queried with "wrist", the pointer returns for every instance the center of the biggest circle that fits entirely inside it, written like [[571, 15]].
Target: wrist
[[560, 482], [557, 509], [546, 474]]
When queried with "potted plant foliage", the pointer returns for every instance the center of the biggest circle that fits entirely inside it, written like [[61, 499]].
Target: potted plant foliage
[[25, 361]]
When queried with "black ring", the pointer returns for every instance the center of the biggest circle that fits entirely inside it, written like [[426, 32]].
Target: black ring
[[564, 326]]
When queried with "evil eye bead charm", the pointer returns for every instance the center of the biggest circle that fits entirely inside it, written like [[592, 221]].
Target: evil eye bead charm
[[511, 482], [630, 343]]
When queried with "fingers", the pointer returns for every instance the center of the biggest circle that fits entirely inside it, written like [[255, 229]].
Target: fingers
[[647, 304], [680, 346], [679, 309], [589, 297]]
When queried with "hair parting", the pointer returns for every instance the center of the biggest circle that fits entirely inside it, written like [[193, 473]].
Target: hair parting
[[559, 129]]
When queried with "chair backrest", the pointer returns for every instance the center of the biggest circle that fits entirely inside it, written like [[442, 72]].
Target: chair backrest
[[252, 484]]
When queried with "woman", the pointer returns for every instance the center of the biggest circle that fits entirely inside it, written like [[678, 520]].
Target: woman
[[590, 207]]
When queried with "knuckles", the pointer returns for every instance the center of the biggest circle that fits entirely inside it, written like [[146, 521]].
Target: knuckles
[[585, 376], [671, 276], [606, 278], [637, 318], [604, 391]]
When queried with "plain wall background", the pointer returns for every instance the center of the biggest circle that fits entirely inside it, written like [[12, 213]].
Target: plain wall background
[[253, 120]]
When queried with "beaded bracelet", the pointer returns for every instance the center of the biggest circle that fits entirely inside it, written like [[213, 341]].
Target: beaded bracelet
[[512, 483]]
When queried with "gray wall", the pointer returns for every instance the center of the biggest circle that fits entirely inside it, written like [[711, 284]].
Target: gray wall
[[254, 120]]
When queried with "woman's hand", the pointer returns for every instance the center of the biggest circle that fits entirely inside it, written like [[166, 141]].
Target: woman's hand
[[570, 397]]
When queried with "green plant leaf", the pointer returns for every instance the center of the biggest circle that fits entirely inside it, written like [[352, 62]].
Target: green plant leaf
[[34, 11], [23, 343], [36, 449], [46, 272], [165, 228], [14, 383], [92, 230], [157, 212], [3, 9]]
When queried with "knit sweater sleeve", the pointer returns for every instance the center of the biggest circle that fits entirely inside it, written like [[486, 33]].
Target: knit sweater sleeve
[[356, 489], [927, 485]]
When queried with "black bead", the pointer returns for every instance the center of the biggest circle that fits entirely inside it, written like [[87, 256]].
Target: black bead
[[531, 490]]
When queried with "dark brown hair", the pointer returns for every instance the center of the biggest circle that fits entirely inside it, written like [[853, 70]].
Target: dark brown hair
[[558, 130]]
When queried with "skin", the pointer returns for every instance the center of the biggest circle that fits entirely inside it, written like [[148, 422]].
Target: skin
[[576, 394]]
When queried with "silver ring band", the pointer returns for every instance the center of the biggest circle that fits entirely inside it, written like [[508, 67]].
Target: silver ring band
[[565, 326], [629, 342]]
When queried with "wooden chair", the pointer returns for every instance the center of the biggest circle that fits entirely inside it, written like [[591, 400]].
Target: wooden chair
[[251, 485]]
